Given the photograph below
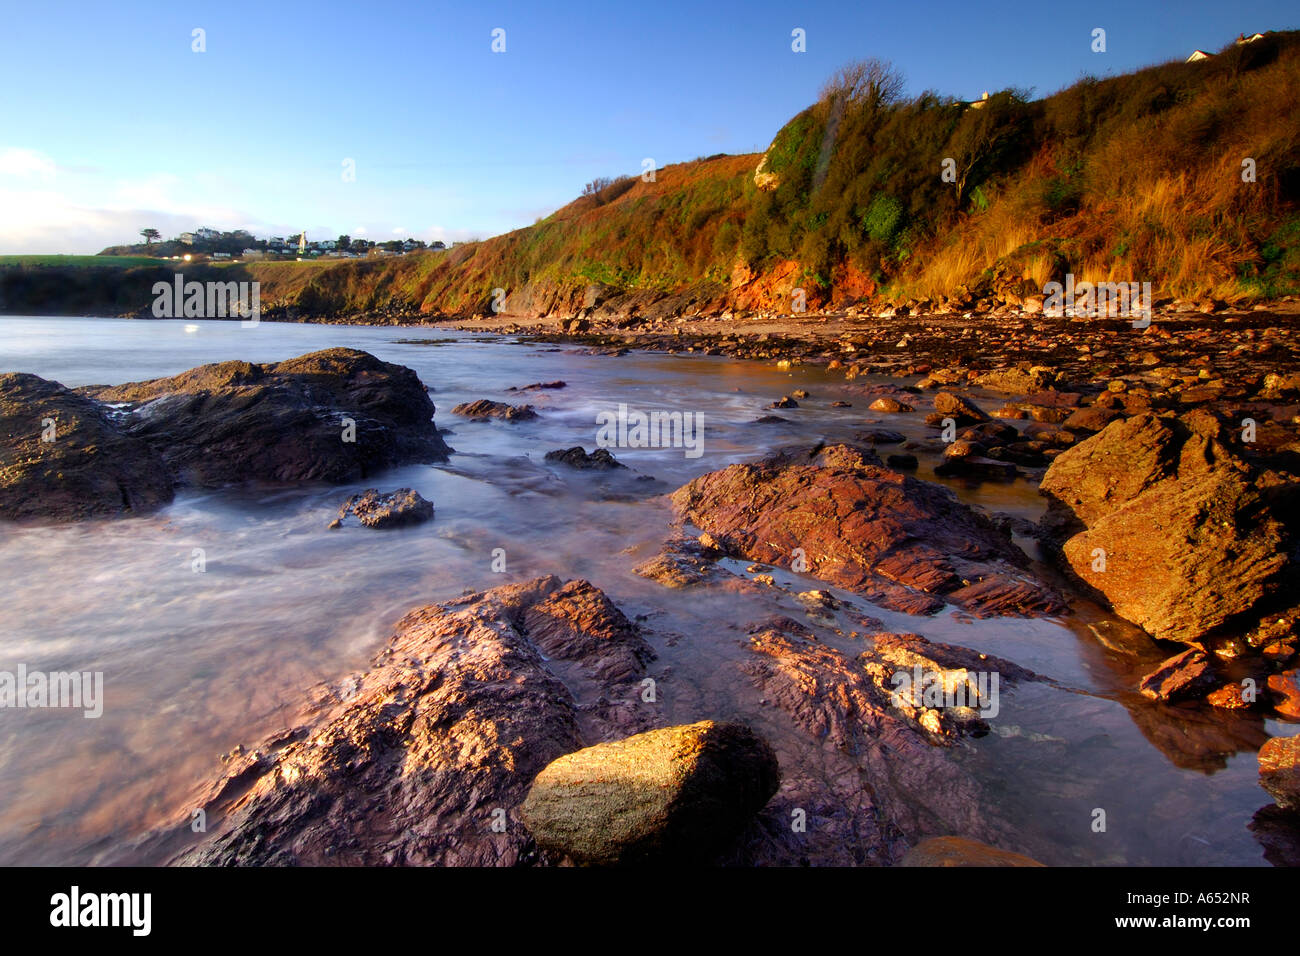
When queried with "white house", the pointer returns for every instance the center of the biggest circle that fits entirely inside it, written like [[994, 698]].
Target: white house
[[981, 102], [206, 233], [187, 238], [1249, 39], [1198, 55]]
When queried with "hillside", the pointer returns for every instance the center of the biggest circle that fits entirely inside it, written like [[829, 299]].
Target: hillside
[[1132, 178]]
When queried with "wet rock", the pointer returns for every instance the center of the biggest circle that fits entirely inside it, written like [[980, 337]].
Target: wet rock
[[537, 386], [394, 509], [976, 466], [1285, 689], [576, 457], [1279, 771], [881, 436], [785, 401], [433, 744], [771, 420], [88, 469], [872, 794], [961, 410], [1185, 675], [959, 851], [905, 543], [578, 623], [483, 409], [338, 415], [1178, 533], [673, 795], [891, 405], [683, 563]]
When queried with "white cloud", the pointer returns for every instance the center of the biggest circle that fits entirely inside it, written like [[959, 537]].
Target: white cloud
[[26, 164]]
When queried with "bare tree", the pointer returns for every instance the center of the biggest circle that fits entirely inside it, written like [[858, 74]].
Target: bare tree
[[872, 83]]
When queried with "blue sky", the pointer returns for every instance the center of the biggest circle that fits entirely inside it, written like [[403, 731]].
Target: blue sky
[[111, 123]]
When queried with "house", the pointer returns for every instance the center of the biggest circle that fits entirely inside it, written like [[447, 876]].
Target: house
[[220, 255], [981, 102], [187, 238], [207, 234], [253, 254], [1242, 38], [409, 245], [276, 242], [1198, 55]]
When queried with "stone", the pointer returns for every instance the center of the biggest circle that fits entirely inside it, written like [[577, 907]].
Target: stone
[[674, 795]]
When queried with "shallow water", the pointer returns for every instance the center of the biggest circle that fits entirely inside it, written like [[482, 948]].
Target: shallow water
[[196, 662]]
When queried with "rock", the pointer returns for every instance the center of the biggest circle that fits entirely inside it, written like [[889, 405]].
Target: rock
[[908, 544], [1285, 688], [683, 563], [959, 851], [674, 795], [483, 408], [1186, 532], [578, 623], [801, 393], [961, 410], [1093, 418], [537, 386], [881, 436], [886, 404], [785, 401], [874, 755], [576, 457], [1019, 379], [902, 462], [976, 466], [1185, 675], [415, 759], [962, 449], [1279, 771], [90, 469], [395, 509], [337, 416]]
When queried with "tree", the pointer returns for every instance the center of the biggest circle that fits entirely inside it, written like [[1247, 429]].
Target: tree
[[344, 242], [150, 235], [871, 83]]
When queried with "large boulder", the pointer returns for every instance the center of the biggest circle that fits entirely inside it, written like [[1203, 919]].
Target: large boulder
[[1180, 534], [339, 415], [423, 758], [63, 456], [677, 794], [840, 515]]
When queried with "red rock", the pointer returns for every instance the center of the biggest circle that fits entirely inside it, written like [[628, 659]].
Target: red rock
[[1188, 674], [1187, 529], [863, 527], [438, 740], [1285, 688]]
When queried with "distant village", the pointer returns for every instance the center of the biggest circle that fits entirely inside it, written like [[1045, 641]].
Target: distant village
[[240, 245]]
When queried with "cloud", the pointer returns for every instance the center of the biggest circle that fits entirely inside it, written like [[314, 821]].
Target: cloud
[[25, 164]]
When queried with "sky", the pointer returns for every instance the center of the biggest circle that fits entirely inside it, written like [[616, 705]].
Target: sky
[[110, 121]]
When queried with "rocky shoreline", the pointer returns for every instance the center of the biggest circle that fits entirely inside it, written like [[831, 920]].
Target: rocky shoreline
[[1168, 457]]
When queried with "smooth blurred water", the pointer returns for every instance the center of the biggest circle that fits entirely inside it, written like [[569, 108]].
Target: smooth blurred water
[[197, 662]]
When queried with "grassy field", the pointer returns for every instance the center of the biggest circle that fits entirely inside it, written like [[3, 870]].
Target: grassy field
[[82, 262]]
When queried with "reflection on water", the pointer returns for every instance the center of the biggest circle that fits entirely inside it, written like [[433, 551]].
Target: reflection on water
[[197, 661]]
